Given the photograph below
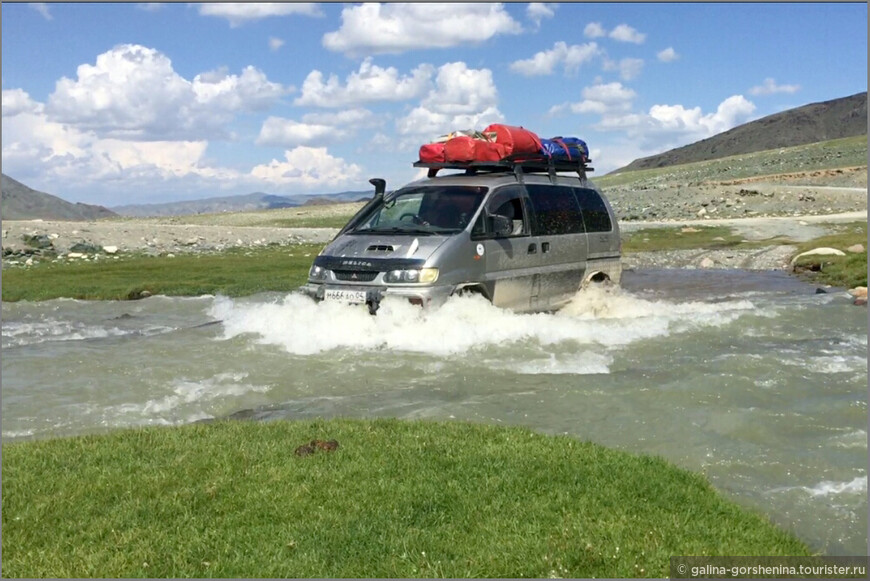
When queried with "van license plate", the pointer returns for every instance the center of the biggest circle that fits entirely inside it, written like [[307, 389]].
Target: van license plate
[[345, 296]]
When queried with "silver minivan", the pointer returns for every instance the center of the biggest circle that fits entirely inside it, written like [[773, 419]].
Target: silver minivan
[[522, 234]]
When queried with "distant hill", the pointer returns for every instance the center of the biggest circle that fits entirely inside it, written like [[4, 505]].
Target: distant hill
[[19, 202], [240, 203], [835, 119]]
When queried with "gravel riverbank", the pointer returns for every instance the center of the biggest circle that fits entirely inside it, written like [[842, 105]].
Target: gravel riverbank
[[81, 240]]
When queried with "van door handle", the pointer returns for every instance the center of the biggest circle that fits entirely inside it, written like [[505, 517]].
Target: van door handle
[[545, 246], [533, 248]]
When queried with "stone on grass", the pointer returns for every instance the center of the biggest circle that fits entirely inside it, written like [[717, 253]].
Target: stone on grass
[[823, 251]]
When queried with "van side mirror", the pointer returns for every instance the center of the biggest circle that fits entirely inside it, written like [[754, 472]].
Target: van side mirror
[[501, 225]]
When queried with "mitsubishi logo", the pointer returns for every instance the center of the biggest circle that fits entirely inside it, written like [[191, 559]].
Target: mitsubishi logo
[[353, 276]]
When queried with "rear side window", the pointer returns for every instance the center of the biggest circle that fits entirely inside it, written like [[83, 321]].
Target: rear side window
[[556, 210], [595, 213]]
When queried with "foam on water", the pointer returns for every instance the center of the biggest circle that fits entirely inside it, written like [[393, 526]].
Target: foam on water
[[185, 394], [16, 334], [605, 318]]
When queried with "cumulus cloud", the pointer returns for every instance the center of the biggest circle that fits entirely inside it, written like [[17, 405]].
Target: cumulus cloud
[[66, 156], [537, 11], [629, 68], [17, 101], [625, 33], [676, 118], [667, 55], [275, 43], [308, 166], [570, 57], [315, 128], [462, 98], [371, 83], [594, 30], [605, 99], [238, 13], [374, 28], [769, 87], [133, 92]]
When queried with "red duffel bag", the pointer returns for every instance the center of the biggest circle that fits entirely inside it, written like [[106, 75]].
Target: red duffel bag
[[432, 153], [488, 150], [460, 148], [515, 139]]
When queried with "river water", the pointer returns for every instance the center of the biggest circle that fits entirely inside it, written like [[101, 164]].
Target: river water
[[748, 377]]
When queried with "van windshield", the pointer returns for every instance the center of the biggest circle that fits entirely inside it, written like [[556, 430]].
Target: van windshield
[[423, 210]]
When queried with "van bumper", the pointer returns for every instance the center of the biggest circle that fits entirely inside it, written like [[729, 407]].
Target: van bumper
[[424, 296]]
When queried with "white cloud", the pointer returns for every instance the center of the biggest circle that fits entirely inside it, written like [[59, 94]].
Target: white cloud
[[462, 98], [769, 87], [605, 99], [308, 167], [371, 83], [133, 92], [17, 101], [315, 128], [667, 55], [544, 62], [67, 157], [395, 28], [676, 118], [537, 11], [42, 8], [275, 43], [238, 13], [629, 68], [625, 33], [594, 30], [150, 6]]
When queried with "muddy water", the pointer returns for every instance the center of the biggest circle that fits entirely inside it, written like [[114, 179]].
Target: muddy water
[[749, 377]]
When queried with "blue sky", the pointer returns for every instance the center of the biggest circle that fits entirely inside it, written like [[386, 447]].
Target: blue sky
[[138, 103]]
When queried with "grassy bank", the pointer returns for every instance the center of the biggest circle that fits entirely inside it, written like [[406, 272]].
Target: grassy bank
[[397, 499], [847, 271], [234, 272], [241, 272]]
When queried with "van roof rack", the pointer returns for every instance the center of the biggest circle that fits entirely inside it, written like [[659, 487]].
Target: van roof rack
[[519, 164]]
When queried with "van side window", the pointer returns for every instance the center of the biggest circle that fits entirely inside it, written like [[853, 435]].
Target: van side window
[[595, 213], [556, 210], [507, 202]]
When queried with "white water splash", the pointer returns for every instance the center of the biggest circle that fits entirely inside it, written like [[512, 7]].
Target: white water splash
[[303, 327]]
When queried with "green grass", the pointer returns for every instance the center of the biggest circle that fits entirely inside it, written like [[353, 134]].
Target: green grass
[[658, 239], [234, 272], [844, 271], [307, 221], [397, 499], [804, 158]]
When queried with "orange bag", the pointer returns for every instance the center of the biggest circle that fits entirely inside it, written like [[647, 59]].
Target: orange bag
[[488, 151], [432, 153], [515, 139], [460, 148]]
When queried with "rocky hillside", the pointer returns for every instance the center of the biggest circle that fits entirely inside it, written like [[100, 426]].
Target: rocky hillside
[[846, 117], [19, 202]]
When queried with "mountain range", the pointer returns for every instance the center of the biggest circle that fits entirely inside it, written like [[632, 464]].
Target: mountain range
[[838, 118], [845, 117], [19, 202]]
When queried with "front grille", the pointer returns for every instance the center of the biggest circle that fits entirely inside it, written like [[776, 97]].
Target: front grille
[[355, 275]]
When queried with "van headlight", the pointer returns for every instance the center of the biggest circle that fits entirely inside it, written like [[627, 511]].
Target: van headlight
[[317, 272], [422, 275]]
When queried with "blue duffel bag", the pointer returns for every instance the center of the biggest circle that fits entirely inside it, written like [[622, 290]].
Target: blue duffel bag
[[565, 148]]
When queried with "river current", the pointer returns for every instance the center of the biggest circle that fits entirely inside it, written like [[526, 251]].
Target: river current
[[749, 377]]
